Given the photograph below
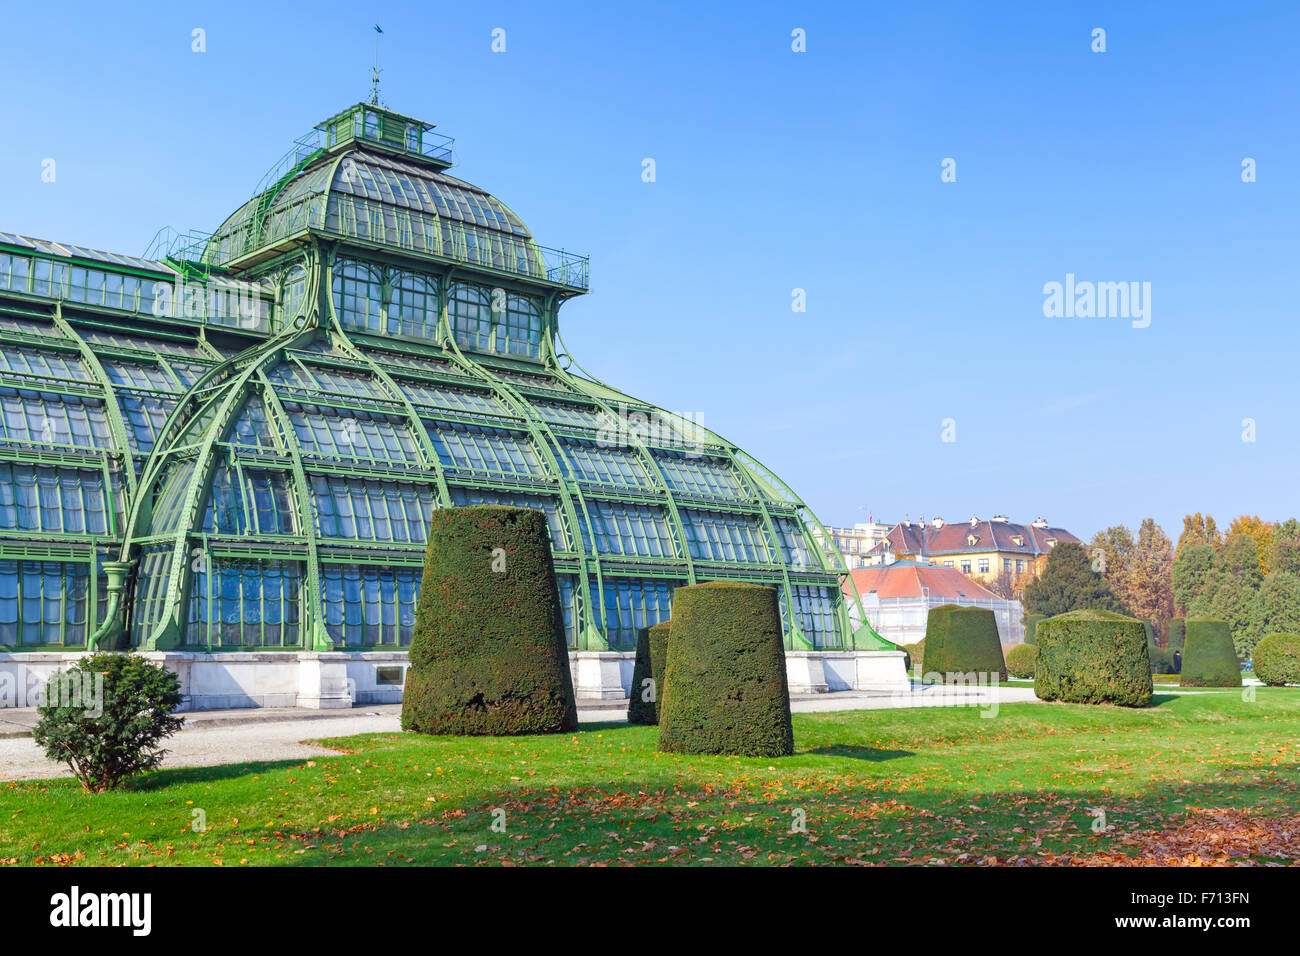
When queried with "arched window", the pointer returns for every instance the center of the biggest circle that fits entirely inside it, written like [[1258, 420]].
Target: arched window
[[412, 305], [470, 307], [293, 294], [522, 332], [358, 295]]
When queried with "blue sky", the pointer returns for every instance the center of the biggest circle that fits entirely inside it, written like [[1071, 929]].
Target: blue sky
[[779, 170]]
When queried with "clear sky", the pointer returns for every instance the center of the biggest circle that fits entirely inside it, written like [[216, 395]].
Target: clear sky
[[778, 170]]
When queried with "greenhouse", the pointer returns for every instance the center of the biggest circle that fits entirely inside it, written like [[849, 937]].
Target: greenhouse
[[226, 453]]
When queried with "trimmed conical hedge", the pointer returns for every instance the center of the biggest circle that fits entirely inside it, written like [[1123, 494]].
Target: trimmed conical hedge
[[725, 689], [1209, 659], [1093, 657], [651, 653], [488, 654], [962, 640]]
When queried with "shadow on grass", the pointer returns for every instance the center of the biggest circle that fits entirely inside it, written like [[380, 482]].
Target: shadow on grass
[[872, 754], [177, 776]]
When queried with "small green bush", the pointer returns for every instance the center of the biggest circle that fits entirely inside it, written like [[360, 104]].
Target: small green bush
[[488, 655], [960, 641], [105, 716], [1277, 659], [1177, 633], [1093, 657], [1020, 661], [651, 652], [914, 654], [1209, 658], [1031, 626], [725, 689]]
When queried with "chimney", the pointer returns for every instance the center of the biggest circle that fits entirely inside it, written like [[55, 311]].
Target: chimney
[[1040, 522]]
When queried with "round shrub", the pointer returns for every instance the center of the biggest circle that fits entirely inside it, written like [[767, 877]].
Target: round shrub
[[960, 641], [1031, 625], [1020, 661], [1277, 659], [1177, 633], [914, 654], [488, 654], [1209, 659], [725, 688], [105, 716], [1093, 657], [651, 651]]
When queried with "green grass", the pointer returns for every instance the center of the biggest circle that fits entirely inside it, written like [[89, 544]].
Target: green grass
[[916, 785]]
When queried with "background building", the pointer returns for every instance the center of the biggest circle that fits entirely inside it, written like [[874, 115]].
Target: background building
[[227, 453], [996, 552], [854, 544], [897, 599]]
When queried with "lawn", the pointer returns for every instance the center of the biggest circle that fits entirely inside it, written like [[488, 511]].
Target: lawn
[[1204, 778]]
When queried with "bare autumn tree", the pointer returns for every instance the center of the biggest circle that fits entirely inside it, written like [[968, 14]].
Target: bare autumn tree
[[1198, 529], [1004, 585], [1149, 593], [1111, 552]]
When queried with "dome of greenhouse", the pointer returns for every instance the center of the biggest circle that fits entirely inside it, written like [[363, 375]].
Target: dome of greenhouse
[[237, 442]]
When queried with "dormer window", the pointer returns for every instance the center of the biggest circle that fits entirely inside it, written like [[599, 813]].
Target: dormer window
[[1019, 540], [971, 539]]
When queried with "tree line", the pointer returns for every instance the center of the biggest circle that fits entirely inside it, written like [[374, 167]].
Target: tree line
[[1248, 576]]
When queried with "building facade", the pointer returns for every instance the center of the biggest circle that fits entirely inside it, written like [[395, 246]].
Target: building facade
[[226, 453], [996, 552], [853, 544]]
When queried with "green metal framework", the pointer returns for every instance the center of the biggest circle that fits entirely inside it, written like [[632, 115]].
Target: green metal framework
[[238, 444]]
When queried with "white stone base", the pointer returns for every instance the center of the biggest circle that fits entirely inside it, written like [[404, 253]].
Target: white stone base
[[601, 675], [805, 672], [319, 680], [324, 680], [881, 671]]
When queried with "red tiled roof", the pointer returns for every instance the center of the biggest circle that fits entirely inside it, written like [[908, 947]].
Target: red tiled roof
[[954, 538], [907, 578]]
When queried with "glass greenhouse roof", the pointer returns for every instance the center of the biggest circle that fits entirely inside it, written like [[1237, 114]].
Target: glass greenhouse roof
[[259, 449]]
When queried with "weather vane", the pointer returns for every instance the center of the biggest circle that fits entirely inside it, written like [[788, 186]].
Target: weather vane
[[374, 78]]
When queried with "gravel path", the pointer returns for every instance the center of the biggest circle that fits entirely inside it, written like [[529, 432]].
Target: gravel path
[[20, 758]]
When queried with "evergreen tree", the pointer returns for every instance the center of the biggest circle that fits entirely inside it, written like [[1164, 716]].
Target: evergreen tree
[[1284, 555], [1069, 583], [1277, 610], [1260, 530], [1193, 564]]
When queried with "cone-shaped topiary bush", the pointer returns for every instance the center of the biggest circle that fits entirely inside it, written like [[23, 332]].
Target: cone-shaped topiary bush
[[1277, 659], [1093, 657], [1020, 661], [725, 688], [960, 641], [651, 652], [488, 654], [1209, 659]]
